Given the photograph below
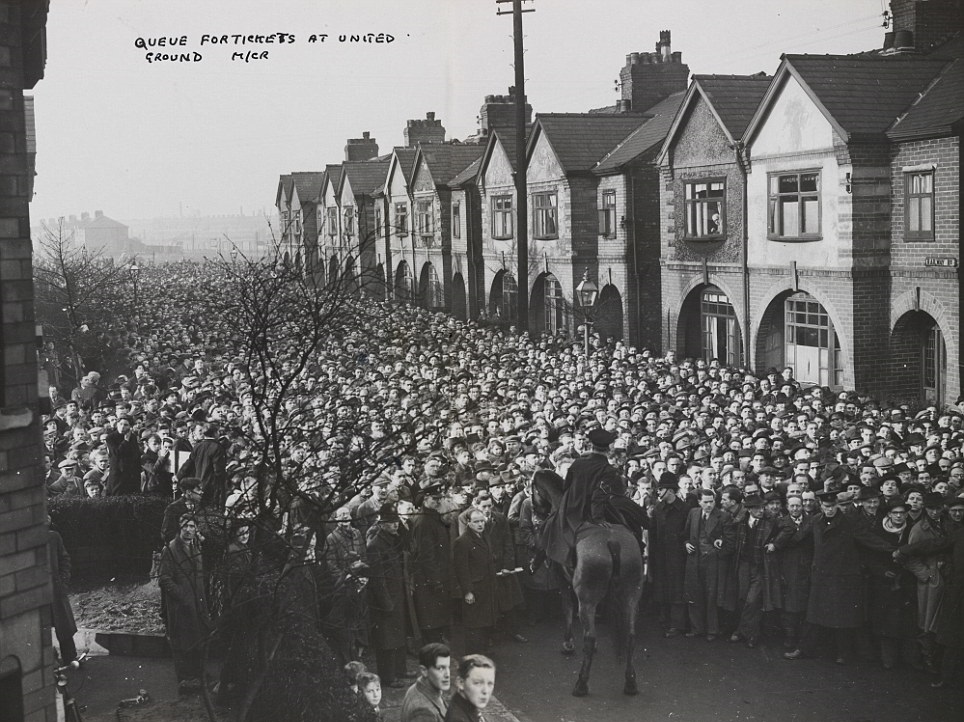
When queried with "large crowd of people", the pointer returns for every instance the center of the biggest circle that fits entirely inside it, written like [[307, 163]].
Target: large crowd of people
[[774, 512]]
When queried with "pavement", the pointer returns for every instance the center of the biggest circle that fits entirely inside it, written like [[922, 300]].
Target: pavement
[[105, 679]]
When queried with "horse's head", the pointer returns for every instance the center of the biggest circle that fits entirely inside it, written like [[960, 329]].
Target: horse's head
[[546, 491]]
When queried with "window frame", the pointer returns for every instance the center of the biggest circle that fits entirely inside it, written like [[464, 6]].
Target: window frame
[[332, 213], [911, 198], [401, 219], [503, 208], [542, 213], [691, 203], [348, 218], [775, 206], [423, 218], [607, 214], [456, 219]]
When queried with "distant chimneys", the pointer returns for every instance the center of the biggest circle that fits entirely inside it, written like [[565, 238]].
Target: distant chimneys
[[648, 78], [428, 130], [498, 111], [361, 148]]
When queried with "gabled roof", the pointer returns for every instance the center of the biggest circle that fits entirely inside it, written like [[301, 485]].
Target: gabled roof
[[333, 178], [734, 98], [469, 175], [308, 184], [580, 140], [646, 137], [860, 95], [364, 175], [284, 188], [937, 111], [445, 162], [402, 159]]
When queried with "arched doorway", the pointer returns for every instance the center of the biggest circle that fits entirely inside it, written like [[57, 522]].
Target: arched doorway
[[459, 306], [403, 282], [548, 310], [430, 289], [503, 298], [608, 314], [708, 327], [333, 270], [797, 331], [918, 360]]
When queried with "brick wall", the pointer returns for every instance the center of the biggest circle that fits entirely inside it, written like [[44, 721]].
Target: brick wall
[[24, 583]]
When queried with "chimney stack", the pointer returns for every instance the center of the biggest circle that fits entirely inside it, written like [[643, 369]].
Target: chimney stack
[[362, 148], [648, 78], [427, 130], [498, 111], [85, 216]]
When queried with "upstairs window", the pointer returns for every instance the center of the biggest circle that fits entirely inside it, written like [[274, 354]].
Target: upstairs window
[[502, 217], [423, 218], [794, 206], [705, 210], [456, 220], [401, 219], [607, 214], [544, 223], [332, 221], [919, 206], [349, 221]]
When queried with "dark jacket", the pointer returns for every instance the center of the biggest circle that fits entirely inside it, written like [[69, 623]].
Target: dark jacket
[[182, 582], [474, 568], [124, 476], [59, 565], [667, 554], [423, 703], [386, 590], [950, 618], [707, 558], [836, 583], [207, 462], [461, 710], [796, 559], [431, 570]]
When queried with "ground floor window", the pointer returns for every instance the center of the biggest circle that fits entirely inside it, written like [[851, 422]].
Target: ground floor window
[[720, 330], [812, 346]]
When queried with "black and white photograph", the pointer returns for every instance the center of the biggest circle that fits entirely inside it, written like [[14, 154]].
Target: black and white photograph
[[481, 361]]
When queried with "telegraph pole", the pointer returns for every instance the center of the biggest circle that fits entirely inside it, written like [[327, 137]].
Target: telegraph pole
[[522, 201]]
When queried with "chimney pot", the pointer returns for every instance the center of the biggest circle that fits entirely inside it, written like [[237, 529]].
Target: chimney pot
[[366, 134], [85, 216], [430, 115], [904, 40], [888, 41], [98, 214]]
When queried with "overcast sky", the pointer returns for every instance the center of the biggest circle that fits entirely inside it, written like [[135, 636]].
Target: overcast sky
[[138, 139]]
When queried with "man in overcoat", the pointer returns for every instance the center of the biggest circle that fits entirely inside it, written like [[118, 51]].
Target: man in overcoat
[[836, 600], [386, 595], [709, 538], [667, 554], [474, 567], [182, 583], [431, 567]]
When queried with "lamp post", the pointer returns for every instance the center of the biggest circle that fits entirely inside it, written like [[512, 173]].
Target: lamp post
[[135, 271], [587, 292]]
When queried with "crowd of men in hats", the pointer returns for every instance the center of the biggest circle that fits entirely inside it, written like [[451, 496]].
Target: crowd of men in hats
[[773, 512]]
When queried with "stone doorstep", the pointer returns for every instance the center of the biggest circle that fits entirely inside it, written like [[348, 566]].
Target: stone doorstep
[[96, 643]]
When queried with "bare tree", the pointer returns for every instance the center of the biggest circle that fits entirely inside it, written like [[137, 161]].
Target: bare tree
[[81, 298]]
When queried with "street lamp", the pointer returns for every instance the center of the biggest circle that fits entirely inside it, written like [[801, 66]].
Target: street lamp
[[587, 292]]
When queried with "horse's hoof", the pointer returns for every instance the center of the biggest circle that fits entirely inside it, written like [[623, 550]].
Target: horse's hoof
[[580, 690], [568, 649], [630, 688]]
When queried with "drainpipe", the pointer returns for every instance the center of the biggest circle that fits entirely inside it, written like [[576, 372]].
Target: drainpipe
[[740, 160], [631, 240]]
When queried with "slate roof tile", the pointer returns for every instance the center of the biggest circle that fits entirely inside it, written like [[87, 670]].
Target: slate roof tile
[[580, 140], [650, 133], [734, 97], [941, 106]]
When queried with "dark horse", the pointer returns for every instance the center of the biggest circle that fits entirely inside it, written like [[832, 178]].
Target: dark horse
[[607, 557]]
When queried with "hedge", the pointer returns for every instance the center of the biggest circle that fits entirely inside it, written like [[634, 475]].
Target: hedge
[[109, 538]]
